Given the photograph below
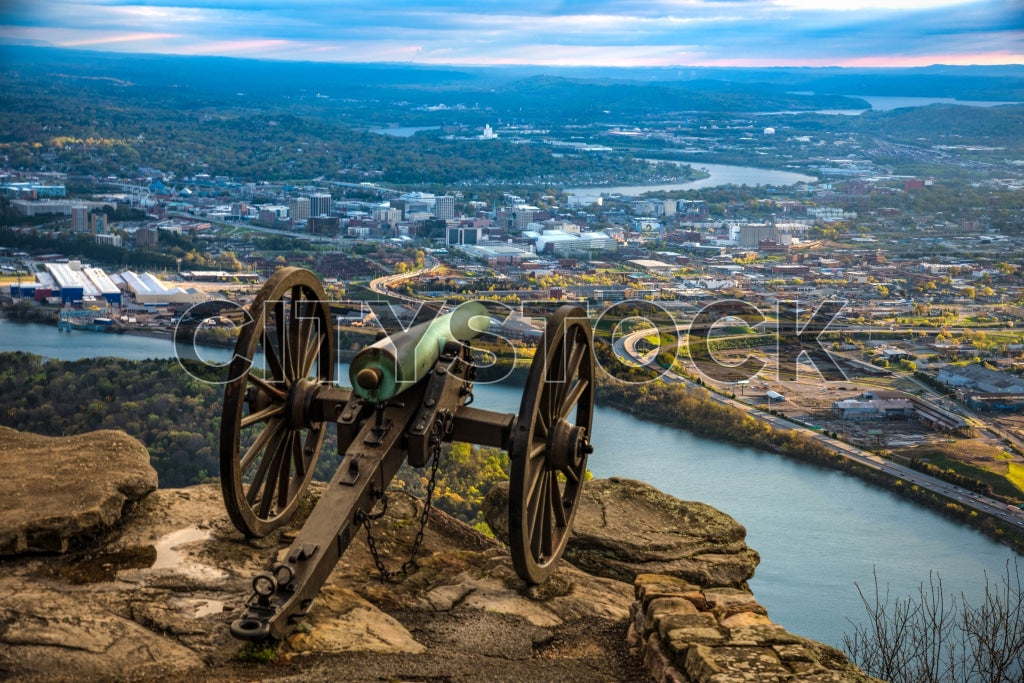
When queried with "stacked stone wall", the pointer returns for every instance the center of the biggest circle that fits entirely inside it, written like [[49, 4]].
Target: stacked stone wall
[[688, 634]]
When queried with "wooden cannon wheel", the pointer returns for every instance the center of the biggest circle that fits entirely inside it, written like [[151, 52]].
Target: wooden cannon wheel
[[550, 445], [270, 438]]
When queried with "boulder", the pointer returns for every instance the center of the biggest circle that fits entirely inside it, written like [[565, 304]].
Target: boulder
[[625, 527], [59, 491]]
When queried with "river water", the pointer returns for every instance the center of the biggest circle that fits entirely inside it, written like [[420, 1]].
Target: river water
[[720, 174], [817, 531]]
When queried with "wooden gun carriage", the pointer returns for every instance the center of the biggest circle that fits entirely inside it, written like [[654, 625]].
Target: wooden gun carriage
[[410, 394]]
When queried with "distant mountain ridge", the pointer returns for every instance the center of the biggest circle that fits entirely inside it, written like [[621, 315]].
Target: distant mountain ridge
[[340, 80]]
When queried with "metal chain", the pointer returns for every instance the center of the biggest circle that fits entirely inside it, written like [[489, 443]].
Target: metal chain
[[439, 432]]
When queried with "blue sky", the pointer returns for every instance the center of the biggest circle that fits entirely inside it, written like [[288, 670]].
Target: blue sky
[[563, 33]]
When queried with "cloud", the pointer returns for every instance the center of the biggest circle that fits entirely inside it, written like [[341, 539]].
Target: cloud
[[614, 32]]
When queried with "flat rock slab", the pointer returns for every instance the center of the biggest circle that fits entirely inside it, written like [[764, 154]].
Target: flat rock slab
[[49, 636], [56, 491], [625, 527]]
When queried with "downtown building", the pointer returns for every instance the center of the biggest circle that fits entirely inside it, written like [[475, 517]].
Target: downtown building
[[320, 204]]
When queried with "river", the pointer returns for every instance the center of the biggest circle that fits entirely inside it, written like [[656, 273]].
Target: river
[[817, 531], [720, 174]]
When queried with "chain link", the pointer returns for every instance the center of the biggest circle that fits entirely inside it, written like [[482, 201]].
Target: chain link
[[439, 432]]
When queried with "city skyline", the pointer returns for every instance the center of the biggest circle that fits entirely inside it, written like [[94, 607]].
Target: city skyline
[[756, 33]]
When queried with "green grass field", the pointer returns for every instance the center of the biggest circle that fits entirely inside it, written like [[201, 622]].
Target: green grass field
[[1015, 475], [1005, 478]]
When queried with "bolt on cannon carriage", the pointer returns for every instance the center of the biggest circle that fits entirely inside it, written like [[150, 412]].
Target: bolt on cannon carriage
[[410, 395]]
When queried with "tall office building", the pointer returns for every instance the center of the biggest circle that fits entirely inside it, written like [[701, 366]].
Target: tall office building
[[80, 218], [298, 208], [320, 204], [444, 207], [523, 215], [98, 223]]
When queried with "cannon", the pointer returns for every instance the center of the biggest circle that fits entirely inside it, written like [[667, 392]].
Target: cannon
[[411, 393]]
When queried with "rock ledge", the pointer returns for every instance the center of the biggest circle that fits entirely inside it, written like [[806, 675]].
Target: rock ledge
[[59, 491]]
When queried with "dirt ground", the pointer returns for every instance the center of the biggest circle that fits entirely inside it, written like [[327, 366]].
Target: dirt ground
[[477, 650]]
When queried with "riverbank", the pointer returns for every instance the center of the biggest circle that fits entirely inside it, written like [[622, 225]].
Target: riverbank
[[676, 406]]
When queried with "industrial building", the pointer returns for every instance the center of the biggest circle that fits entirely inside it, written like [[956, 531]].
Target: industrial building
[[980, 379], [148, 290], [565, 243], [102, 282], [868, 406], [72, 284], [71, 288]]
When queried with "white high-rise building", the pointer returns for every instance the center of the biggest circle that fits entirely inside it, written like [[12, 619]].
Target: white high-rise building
[[444, 207], [298, 208]]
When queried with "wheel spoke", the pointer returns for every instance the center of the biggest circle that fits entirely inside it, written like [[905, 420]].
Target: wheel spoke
[[537, 519], [556, 388], [268, 461], [267, 499], [538, 449], [533, 476], [267, 387], [284, 470], [575, 358], [546, 544], [261, 415], [296, 327], [310, 355], [556, 503], [273, 425], [543, 425], [273, 360], [570, 475], [572, 398], [546, 410], [281, 336]]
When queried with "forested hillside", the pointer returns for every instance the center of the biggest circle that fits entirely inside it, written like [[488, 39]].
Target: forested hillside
[[177, 417]]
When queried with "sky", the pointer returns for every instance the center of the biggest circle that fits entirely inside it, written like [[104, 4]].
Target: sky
[[873, 33]]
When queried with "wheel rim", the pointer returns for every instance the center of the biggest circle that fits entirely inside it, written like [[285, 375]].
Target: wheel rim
[[270, 440], [551, 444]]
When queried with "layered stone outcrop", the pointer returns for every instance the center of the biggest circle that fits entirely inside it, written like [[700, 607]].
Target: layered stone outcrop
[[625, 527], [56, 492]]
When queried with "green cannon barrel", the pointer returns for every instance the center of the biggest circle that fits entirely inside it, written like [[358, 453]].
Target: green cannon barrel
[[391, 365]]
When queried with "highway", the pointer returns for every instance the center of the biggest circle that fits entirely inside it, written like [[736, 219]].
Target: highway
[[382, 285], [625, 347]]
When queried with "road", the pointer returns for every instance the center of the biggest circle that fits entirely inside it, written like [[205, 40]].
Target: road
[[625, 347], [383, 284]]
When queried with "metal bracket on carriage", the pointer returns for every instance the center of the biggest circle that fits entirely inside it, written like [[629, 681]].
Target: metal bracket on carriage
[[450, 381]]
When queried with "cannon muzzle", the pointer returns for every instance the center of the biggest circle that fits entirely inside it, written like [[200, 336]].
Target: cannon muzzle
[[391, 365]]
